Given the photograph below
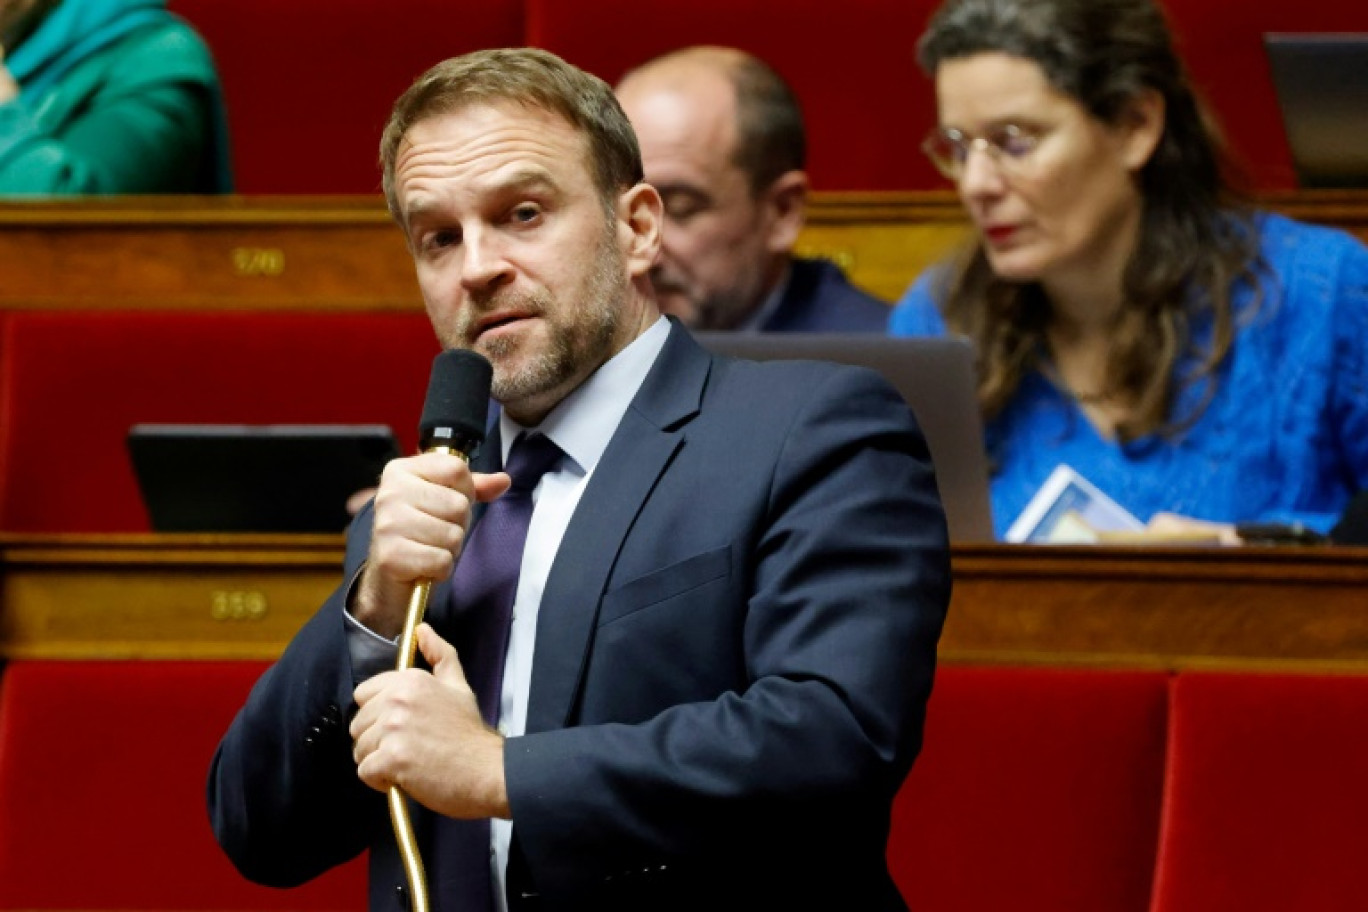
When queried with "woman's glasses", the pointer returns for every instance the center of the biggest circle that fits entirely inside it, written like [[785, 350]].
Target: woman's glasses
[[1009, 146]]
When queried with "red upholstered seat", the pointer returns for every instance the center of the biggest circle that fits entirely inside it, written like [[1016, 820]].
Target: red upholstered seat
[[1266, 807], [1037, 791], [852, 64], [102, 790], [72, 383], [309, 83]]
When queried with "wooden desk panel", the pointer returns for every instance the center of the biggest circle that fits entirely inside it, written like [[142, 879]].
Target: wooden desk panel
[[1175, 608], [160, 597], [190, 596], [335, 253], [345, 253]]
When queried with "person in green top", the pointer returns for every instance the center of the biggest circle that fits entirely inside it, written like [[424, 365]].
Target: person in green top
[[107, 97]]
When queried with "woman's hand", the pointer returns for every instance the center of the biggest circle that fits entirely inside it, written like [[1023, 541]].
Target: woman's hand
[[1176, 527]]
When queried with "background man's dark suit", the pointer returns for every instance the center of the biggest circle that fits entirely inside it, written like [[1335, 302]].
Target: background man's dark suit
[[819, 298], [744, 608]]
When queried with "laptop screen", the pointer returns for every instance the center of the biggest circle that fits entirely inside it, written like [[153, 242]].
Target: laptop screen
[[1321, 81], [936, 376], [255, 478]]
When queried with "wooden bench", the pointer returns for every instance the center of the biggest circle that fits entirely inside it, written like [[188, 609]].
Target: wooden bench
[[1099, 714], [1055, 732]]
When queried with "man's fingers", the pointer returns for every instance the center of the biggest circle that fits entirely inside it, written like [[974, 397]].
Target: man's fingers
[[441, 655], [489, 487]]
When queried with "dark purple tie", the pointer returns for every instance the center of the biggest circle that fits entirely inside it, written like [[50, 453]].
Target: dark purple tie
[[482, 591]]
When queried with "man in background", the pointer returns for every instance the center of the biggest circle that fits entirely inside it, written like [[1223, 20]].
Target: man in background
[[722, 139]]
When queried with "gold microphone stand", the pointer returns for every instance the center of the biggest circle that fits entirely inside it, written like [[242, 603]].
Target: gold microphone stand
[[398, 803]]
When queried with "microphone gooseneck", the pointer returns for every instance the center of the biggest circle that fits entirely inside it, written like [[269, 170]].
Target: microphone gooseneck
[[453, 422]]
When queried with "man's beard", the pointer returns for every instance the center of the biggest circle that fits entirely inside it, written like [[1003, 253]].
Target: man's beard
[[574, 337], [675, 296], [716, 310]]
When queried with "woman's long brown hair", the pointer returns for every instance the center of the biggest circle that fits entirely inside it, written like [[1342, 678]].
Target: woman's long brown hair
[[1197, 240]]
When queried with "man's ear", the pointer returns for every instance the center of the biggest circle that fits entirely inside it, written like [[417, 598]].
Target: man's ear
[[785, 204], [640, 215], [1141, 128]]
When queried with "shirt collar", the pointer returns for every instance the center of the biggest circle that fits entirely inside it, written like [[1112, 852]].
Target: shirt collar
[[584, 421]]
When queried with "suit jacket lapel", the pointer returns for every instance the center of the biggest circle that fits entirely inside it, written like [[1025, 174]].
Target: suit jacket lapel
[[649, 435]]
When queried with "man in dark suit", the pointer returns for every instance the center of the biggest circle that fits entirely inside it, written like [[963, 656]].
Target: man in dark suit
[[722, 139], [725, 623]]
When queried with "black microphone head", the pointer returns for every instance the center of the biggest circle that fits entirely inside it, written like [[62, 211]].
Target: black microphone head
[[457, 404]]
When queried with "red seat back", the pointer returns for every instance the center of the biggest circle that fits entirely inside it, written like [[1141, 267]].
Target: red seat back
[[1037, 791], [1266, 807], [852, 65], [71, 384], [102, 784], [305, 112], [309, 83]]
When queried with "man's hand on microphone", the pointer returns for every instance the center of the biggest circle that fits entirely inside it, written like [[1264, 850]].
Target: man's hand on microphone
[[422, 732], [422, 510]]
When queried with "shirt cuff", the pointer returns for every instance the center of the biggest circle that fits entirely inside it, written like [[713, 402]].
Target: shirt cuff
[[370, 652]]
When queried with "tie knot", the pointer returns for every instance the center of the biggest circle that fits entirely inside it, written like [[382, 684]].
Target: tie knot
[[531, 457]]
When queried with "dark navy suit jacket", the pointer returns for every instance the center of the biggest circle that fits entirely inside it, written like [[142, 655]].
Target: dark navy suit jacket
[[734, 652], [819, 298]]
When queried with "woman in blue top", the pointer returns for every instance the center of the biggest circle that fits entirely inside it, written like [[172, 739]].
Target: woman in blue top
[[1193, 358]]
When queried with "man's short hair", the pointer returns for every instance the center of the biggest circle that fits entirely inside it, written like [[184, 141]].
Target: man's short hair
[[771, 139], [526, 76], [770, 136]]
